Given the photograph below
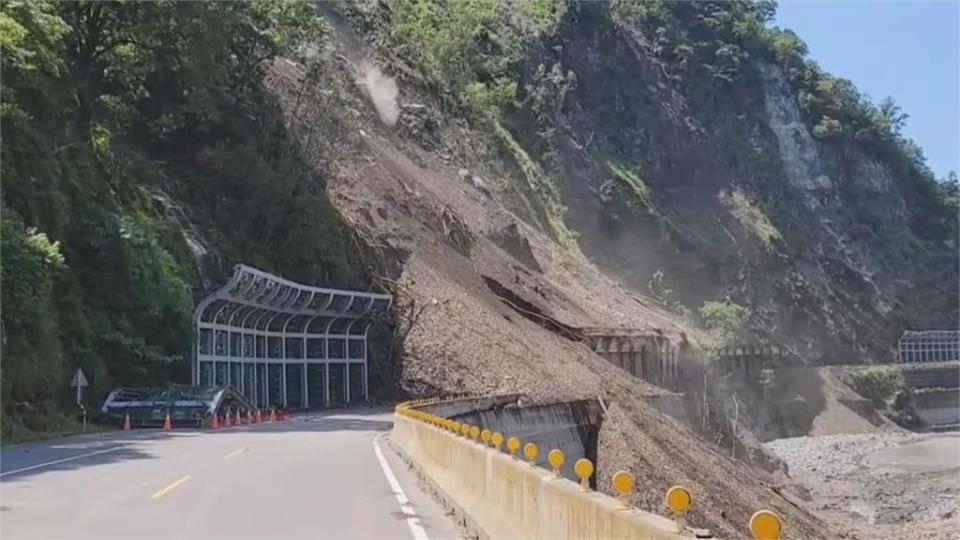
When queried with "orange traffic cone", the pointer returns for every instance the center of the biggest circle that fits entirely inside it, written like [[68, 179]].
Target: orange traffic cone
[[257, 419], [239, 419], [167, 426], [273, 414], [215, 422], [126, 422], [249, 418], [226, 419]]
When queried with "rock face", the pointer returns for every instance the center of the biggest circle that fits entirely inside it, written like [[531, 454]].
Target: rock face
[[797, 150], [835, 246]]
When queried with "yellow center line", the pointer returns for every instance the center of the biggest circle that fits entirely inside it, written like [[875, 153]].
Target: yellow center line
[[235, 453], [170, 487]]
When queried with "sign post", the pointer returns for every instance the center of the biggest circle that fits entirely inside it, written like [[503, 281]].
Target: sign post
[[80, 382]]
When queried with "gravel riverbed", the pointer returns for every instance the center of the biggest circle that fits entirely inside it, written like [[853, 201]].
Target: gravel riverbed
[[880, 485]]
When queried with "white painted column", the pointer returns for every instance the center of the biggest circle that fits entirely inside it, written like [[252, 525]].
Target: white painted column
[[283, 382]]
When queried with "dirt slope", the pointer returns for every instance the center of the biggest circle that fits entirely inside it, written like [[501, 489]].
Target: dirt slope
[[442, 241]]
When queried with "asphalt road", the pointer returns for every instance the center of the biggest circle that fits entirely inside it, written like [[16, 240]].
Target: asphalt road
[[325, 476]]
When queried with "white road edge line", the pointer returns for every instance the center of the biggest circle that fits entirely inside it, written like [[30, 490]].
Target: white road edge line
[[64, 460], [413, 522]]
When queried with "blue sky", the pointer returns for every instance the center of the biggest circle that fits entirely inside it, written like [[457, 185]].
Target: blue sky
[[906, 49]]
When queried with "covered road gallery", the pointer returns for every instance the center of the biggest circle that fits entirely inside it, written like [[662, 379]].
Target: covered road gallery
[[285, 344]]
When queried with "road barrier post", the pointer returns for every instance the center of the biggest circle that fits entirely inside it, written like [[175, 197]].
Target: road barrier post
[[584, 469], [531, 451], [485, 436], [497, 441], [556, 459], [679, 500], [513, 444], [623, 484], [765, 525]]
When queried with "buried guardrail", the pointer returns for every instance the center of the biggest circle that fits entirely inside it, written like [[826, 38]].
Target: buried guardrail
[[502, 496]]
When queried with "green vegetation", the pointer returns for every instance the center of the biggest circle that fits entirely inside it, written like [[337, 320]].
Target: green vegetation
[[472, 55], [632, 188], [750, 216], [463, 50], [540, 188], [714, 47], [110, 112], [878, 384], [725, 321]]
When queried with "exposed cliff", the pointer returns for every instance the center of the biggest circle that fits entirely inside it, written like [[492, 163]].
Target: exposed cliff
[[690, 138]]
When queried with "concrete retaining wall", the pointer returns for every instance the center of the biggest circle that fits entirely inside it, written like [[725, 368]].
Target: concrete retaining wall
[[461, 406], [503, 497], [937, 408], [939, 375], [573, 427]]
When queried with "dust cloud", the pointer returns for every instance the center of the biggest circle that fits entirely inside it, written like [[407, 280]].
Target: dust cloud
[[382, 90]]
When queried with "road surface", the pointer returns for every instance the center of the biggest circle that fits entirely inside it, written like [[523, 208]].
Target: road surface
[[321, 476]]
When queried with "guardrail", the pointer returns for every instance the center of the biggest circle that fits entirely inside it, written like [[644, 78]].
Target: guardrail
[[504, 495]]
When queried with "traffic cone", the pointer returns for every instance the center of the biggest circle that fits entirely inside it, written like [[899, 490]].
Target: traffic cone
[[257, 419], [167, 426], [215, 422], [239, 419], [249, 418], [273, 414], [126, 422], [226, 419]]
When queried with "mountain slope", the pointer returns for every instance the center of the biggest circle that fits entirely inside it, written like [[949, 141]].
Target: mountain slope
[[690, 139]]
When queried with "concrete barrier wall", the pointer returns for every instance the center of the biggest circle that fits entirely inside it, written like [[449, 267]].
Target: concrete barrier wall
[[504, 497], [457, 407], [572, 427], [937, 408]]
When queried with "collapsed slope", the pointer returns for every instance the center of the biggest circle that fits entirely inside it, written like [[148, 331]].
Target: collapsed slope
[[692, 141], [483, 297]]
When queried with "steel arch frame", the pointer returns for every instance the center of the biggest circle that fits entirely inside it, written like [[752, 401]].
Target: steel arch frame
[[248, 305]]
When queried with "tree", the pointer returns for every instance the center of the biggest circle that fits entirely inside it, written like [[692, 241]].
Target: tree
[[725, 320]]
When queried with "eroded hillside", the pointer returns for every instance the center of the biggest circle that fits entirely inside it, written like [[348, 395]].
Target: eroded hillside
[[508, 170], [692, 140], [484, 297]]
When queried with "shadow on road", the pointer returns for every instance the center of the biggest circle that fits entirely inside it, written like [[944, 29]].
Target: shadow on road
[[19, 462]]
